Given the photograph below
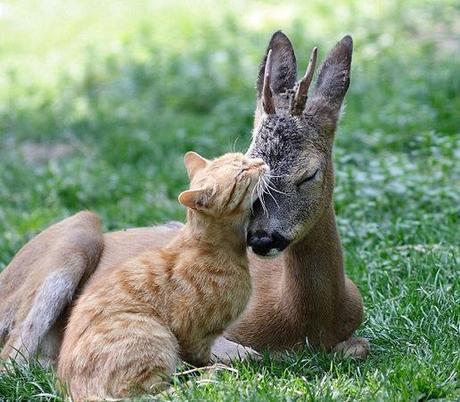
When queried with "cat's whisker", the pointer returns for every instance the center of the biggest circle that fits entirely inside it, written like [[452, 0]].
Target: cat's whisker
[[261, 197], [274, 176], [268, 184], [267, 188], [271, 187], [252, 196], [275, 190], [260, 191], [234, 144]]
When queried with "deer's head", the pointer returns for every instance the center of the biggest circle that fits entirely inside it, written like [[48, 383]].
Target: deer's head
[[294, 134]]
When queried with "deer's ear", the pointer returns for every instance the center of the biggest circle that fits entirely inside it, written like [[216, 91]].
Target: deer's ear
[[332, 83], [284, 67], [195, 199], [193, 163]]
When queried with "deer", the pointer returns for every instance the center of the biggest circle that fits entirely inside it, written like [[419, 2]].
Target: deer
[[301, 294]]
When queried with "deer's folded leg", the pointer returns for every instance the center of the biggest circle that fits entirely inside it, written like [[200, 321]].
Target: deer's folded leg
[[225, 351], [354, 347]]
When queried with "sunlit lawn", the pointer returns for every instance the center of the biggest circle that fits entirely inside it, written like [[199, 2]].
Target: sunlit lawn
[[99, 101]]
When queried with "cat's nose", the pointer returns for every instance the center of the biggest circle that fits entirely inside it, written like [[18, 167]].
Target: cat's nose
[[266, 244], [257, 164]]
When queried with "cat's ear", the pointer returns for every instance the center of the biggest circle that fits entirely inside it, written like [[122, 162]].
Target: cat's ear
[[195, 199], [193, 163]]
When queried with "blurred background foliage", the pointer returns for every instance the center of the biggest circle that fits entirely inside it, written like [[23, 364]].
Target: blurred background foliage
[[100, 99]]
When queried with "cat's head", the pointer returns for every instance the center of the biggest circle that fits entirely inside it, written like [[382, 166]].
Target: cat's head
[[224, 187]]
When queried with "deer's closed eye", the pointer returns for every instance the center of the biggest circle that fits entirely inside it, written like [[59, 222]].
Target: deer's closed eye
[[307, 177]]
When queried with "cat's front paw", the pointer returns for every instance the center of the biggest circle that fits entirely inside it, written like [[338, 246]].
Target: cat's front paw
[[355, 347], [225, 351]]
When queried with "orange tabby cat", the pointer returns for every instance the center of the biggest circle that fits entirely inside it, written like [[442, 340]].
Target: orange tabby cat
[[128, 329]]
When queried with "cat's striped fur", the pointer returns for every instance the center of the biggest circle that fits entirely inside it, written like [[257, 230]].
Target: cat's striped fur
[[129, 328]]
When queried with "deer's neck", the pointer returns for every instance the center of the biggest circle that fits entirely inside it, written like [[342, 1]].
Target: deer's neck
[[313, 276]]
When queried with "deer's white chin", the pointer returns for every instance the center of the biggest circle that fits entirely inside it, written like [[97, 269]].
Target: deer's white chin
[[271, 254]]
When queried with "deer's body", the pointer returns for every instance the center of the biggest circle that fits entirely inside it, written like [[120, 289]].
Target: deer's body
[[298, 296], [301, 295]]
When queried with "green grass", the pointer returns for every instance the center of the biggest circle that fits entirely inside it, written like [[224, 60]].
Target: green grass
[[125, 88]]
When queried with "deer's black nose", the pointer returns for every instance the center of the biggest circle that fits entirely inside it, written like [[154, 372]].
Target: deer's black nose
[[266, 244]]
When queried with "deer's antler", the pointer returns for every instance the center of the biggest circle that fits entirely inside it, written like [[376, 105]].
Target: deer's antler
[[300, 97], [267, 98]]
